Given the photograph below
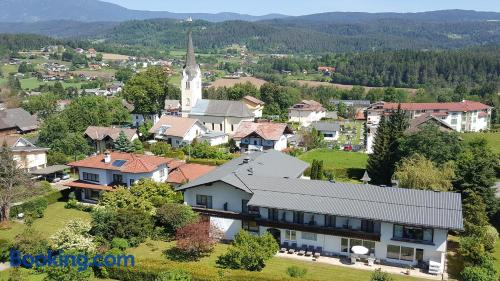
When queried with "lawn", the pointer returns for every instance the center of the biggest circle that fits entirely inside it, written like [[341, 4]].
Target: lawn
[[337, 158], [496, 254], [56, 216], [32, 83], [492, 138]]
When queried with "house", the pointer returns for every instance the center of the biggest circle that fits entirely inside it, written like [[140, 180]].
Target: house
[[214, 138], [27, 155], [172, 107], [221, 115], [17, 121], [418, 123], [105, 171], [329, 130], [464, 116], [177, 131], [252, 136], [97, 92], [187, 172], [263, 192], [254, 105], [139, 118], [326, 70], [102, 138], [306, 112]]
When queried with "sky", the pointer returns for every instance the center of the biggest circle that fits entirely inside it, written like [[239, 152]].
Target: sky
[[302, 7]]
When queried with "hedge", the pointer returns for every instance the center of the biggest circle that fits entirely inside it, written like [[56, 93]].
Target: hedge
[[340, 173], [210, 162], [38, 204], [148, 270]]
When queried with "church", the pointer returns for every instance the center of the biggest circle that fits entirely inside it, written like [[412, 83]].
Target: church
[[217, 115]]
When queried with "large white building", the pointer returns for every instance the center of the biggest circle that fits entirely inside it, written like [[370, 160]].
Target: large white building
[[264, 192], [464, 116], [306, 112], [27, 155]]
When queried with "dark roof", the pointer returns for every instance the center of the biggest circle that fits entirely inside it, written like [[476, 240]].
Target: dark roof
[[326, 126], [225, 108], [427, 119], [17, 118], [50, 170], [388, 204], [191, 68], [270, 163]]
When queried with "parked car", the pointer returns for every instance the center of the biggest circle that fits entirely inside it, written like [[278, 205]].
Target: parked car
[[64, 176], [348, 148], [52, 178]]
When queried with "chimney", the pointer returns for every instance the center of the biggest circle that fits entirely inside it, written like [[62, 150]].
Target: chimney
[[107, 156]]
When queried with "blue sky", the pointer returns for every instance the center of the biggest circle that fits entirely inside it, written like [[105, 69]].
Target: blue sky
[[301, 7]]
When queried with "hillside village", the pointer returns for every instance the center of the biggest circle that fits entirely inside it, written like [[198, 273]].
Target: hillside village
[[206, 170]]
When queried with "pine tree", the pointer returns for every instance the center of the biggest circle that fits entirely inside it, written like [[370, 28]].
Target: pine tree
[[123, 144], [314, 169]]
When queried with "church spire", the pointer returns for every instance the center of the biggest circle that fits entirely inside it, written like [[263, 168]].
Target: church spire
[[190, 57]]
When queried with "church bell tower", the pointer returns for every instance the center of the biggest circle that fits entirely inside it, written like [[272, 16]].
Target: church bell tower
[[191, 80]]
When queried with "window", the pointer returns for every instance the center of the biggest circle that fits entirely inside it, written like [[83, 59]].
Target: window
[[328, 135], [92, 194], [413, 233], [117, 178], [290, 235], [132, 181], [187, 85], [220, 126], [244, 206], [454, 121], [370, 245], [298, 217], [90, 177], [330, 221], [393, 252], [367, 226], [272, 214], [344, 245], [232, 127], [162, 173], [204, 200], [407, 253], [251, 226], [309, 236], [355, 242]]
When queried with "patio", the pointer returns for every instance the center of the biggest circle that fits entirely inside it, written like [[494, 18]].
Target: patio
[[345, 261]]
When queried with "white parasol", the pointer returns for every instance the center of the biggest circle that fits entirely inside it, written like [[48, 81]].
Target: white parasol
[[360, 250]]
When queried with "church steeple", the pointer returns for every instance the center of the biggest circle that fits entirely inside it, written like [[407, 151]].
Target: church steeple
[[190, 57], [191, 87]]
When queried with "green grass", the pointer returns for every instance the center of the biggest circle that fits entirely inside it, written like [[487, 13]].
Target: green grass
[[55, 217], [336, 158], [496, 255], [32, 83], [30, 275], [492, 138]]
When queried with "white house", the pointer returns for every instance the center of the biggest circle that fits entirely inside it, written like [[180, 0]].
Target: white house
[[177, 131], [306, 112], [255, 105], [102, 138], [104, 171], [251, 136], [329, 130], [27, 155], [214, 138], [263, 192]]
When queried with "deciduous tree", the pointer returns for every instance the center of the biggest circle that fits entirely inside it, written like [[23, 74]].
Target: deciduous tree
[[417, 172]]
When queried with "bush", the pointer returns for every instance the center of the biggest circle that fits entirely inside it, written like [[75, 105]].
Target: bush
[[477, 273], [119, 243], [30, 242], [210, 162], [34, 207], [471, 249], [103, 223], [174, 275], [71, 204], [173, 216], [5, 246], [378, 275], [134, 225], [249, 252], [490, 238], [296, 272], [193, 241]]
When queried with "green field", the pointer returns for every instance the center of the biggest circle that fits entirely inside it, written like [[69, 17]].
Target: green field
[[336, 158], [492, 138], [32, 83]]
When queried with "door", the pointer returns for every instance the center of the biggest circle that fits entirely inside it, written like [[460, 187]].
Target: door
[[276, 233], [419, 257]]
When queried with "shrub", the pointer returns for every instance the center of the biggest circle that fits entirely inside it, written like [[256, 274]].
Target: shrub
[[34, 207], [74, 236], [296, 272], [490, 238], [5, 246], [135, 225], [472, 249], [477, 273], [193, 241], [30, 242], [103, 223], [72, 272], [210, 162], [249, 252], [173, 216], [378, 275], [174, 275], [71, 204], [119, 243]]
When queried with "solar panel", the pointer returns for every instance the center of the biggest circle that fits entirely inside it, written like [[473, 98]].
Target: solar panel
[[119, 163]]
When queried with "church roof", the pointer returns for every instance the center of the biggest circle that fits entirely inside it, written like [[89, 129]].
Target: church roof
[[190, 67], [226, 108]]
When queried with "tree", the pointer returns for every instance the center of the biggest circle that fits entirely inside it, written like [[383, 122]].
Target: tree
[[173, 216], [135, 225], [312, 139], [417, 172], [474, 214], [475, 170], [477, 273], [249, 252], [196, 239], [122, 143], [25, 67], [103, 223], [30, 242], [317, 170], [148, 90], [124, 198], [157, 193], [144, 128], [74, 236], [15, 184], [43, 105], [124, 74], [432, 143]]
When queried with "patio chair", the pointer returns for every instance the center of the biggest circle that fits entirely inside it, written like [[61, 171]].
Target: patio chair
[[310, 251], [292, 248], [354, 259], [318, 252], [371, 261], [284, 247], [302, 250]]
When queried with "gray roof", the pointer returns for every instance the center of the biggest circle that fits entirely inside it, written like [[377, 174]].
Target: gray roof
[[359, 103], [326, 126], [50, 170], [213, 134], [388, 204], [270, 163], [224, 108], [17, 118], [191, 68]]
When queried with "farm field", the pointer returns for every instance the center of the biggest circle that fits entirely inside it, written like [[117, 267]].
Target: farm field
[[224, 82], [345, 87], [493, 139], [32, 83]]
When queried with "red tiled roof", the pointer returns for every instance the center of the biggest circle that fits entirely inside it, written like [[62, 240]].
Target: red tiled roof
[[188, 172], [308, 105], [450, 106], [176, 126], [135, 163], [360, 114], [82, 184], [268, 131], [100, 133]]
